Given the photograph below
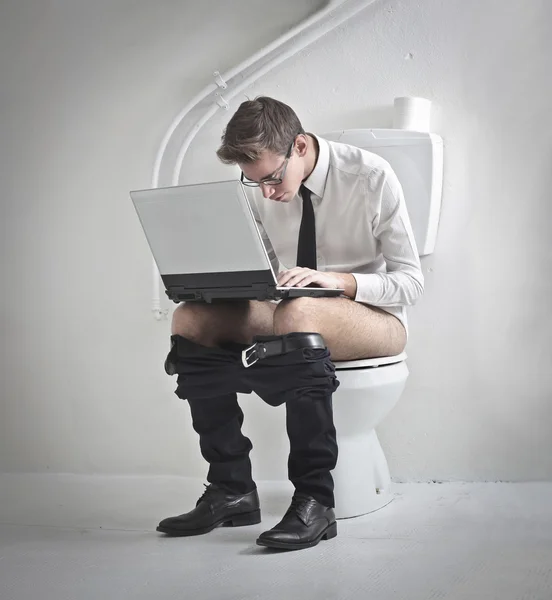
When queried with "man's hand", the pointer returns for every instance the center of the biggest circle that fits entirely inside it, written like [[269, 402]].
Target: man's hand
[[302, 277]]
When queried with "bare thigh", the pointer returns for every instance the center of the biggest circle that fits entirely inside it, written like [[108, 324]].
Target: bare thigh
[[213, 324], [351, 330]]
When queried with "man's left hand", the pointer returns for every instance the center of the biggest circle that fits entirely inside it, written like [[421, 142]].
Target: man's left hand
[[302, 277]]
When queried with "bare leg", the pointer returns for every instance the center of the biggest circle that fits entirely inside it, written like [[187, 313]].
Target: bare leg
[[351, 330], [213, 324]]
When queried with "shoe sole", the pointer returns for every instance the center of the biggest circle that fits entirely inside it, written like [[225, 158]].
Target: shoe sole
[[239, 520], [328, 533]]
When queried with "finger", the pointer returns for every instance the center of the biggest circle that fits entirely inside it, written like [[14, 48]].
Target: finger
[[317, 279], [286, 277], [294, 281], [302, 280]]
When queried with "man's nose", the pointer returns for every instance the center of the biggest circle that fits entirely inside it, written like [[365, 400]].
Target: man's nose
[[267, 190]]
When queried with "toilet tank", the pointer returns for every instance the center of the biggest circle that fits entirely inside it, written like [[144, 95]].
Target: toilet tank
[[417, 159]]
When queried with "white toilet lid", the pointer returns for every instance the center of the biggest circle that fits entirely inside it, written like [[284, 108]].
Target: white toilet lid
[[367, 363]]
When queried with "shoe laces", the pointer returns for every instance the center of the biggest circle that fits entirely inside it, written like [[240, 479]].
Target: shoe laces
[[298, 502], [209, 490]]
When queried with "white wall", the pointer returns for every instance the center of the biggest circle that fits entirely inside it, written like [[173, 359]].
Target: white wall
[[86, 93]]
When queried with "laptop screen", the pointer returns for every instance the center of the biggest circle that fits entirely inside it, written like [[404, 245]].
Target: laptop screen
[[201, 228]]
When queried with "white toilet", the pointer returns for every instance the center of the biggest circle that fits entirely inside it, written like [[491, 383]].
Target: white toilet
[[369, 389]]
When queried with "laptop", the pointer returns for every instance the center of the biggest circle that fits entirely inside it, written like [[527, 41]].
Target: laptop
[[207, 246]]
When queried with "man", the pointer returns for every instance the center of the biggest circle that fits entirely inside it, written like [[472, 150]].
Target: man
[[331, 215]]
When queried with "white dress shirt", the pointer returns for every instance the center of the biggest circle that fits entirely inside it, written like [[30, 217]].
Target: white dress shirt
[[362, 227]]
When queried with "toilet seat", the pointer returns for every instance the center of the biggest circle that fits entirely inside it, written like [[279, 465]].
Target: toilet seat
[[370, 363]]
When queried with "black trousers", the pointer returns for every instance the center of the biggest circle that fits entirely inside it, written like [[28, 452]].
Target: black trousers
[[304, 380]]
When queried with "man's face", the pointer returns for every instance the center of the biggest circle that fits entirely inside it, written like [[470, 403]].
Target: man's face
[[271, 166]]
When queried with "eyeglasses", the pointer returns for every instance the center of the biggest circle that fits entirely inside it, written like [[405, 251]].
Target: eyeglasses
[[271, 179]]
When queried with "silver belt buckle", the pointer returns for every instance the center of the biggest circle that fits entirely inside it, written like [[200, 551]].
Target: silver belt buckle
[[247, 354]]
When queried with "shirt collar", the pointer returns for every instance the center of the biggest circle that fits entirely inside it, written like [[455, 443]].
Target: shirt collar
[[316, 181]]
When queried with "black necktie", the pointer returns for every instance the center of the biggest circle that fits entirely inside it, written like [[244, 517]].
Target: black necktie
[[306, 247]]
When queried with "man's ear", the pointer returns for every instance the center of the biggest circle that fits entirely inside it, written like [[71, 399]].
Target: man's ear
[[301, 144]]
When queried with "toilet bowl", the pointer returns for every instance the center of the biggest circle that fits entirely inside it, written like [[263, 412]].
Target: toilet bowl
[[368, 390]]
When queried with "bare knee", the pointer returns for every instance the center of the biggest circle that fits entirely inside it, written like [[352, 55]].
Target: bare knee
[[191, 321], [213, 324], [295, 315]]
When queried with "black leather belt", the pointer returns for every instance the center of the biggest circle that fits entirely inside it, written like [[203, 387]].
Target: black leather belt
[[267, 346]]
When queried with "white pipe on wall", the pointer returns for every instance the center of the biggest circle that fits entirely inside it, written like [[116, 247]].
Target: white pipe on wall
[[237, 70], [351, 8], [308, 39]]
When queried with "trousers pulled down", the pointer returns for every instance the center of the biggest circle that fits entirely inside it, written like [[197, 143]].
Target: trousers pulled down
[[303, 380]]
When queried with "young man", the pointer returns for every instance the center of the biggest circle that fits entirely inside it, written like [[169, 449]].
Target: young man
[[331, 215]]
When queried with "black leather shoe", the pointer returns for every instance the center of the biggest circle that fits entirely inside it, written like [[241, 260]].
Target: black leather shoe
[[215, 507], [305, 523]]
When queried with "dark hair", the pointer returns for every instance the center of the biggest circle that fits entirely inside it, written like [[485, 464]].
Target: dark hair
[[259, 125]]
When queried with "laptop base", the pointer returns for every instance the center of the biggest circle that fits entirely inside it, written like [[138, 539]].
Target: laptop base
[[261, 294], [236, 285]]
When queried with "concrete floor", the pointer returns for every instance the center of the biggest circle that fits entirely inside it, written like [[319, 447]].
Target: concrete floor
[[434, 541]]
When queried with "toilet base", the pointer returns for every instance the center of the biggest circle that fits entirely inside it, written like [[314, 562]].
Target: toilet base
[[361, 477]]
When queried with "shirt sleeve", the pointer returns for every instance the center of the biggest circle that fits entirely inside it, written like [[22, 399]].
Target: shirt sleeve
[[403, 283]]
